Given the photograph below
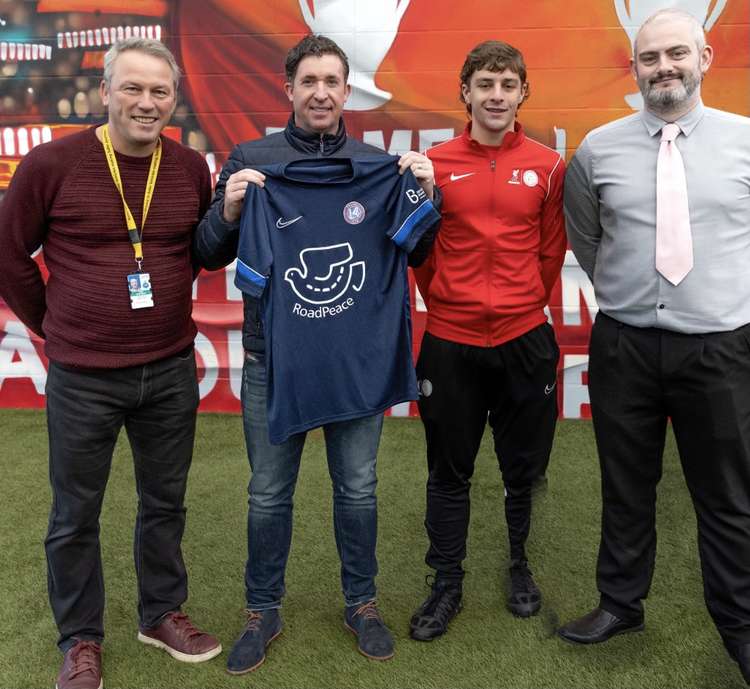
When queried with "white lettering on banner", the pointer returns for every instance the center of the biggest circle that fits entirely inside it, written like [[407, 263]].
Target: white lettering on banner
[[400, 140], [28, 365], [561, 141], [233, 292], [211, 163], [419, 304], [16, 344], [401, 409], [207, 353], [430, 137], [574, 283], [322, 311], [575, 393], [236, 360]]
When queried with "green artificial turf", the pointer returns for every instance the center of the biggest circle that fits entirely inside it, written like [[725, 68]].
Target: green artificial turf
[[486, 646]]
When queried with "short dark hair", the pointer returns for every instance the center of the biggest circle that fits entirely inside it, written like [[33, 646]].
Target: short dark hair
[[494, 56], [313, 45]]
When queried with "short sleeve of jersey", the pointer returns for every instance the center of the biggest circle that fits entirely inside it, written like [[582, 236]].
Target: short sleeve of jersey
[[413, 211], [254, 254]]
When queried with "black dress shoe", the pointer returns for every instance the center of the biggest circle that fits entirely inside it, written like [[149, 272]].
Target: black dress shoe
[[742, 656], [597, 626]]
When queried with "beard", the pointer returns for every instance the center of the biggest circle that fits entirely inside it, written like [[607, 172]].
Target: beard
[[666, 98]]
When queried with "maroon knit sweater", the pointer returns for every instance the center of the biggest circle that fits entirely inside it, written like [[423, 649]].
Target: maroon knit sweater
[[62, 197]]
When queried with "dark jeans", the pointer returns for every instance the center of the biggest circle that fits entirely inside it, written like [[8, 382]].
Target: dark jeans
[[157, 404], [352, 448], [462, 387], [638, 378]]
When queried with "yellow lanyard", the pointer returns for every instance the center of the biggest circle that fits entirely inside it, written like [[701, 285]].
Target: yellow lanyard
[[114, 170]]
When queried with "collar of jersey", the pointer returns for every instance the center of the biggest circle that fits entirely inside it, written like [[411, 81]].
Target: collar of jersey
[[320, 170]]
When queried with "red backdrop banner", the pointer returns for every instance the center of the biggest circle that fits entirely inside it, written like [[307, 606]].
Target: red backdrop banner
[[405, 58]]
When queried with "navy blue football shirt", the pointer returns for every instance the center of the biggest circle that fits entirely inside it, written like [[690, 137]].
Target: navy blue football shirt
[[324, 246]]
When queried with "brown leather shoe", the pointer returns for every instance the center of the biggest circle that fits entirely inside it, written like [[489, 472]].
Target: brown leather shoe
[[179, 637], [82, 667]]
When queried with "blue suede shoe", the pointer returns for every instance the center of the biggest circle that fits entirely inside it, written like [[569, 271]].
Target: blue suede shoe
[[249, 651], [374, 640]]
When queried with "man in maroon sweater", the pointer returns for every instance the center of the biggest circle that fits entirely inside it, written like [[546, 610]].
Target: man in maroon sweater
[[114, 208]]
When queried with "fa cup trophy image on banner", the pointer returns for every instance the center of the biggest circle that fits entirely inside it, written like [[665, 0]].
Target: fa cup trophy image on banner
[[632, 13], [365, 30]]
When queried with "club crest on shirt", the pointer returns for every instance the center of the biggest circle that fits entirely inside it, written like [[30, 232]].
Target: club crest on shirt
[[514, 177], [354, 212]]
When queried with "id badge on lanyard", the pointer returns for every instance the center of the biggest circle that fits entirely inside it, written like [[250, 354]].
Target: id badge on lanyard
[[139, 287], [139, 283]]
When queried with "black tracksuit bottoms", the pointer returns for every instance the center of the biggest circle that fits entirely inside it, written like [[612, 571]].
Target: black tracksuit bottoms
[[638, 378], [462, 387]]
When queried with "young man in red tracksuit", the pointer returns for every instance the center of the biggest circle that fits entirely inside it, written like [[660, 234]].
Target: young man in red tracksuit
[[488, 352]]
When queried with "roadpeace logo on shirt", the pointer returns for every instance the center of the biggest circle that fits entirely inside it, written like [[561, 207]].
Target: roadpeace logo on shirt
[[326, 274]]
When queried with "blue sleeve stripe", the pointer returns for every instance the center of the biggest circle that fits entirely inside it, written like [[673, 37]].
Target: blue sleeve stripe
[[251, 275], [411, 222]]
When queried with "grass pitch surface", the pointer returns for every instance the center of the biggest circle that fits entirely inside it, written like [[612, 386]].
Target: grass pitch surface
[[485, 646]]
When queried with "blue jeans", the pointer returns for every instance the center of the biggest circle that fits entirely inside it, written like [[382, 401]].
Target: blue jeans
[[352, 448]]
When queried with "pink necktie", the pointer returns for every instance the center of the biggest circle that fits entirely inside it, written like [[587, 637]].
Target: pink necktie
[[674, 243]]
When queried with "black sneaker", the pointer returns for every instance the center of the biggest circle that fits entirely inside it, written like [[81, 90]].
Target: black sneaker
[[249, 651], [374, 639], [743, 660], [431, 618], [525, 599]]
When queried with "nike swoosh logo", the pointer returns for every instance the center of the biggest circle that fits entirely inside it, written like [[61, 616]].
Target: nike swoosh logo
[[457, 177], [281, 223], [549, 388]]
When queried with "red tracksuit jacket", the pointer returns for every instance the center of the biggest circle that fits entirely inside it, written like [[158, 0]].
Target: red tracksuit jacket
[[502, 240]]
